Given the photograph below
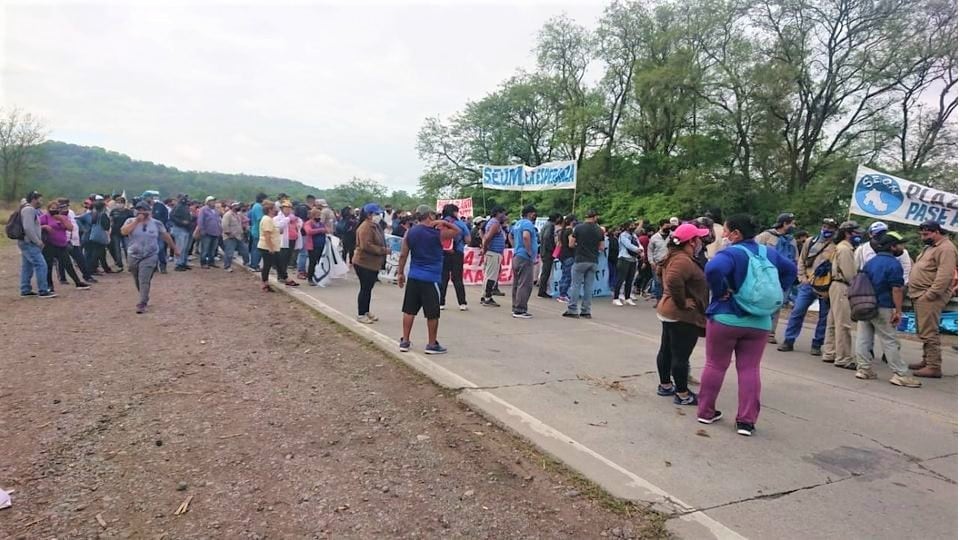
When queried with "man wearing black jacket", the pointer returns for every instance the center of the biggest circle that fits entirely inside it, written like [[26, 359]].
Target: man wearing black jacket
[[547, 243], [182, 229]]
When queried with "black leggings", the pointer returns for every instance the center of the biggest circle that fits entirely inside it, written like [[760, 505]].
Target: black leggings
[[625, 272], [676, 344], [368, 278], [453, 270], [269, 259], [56, 253], [313, 257]]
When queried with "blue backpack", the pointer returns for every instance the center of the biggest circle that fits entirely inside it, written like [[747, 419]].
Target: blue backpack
[[760, 294]]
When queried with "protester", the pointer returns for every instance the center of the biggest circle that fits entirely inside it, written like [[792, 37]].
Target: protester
[[548, 239], [587, 239], [525, 250], [256, 217], [867, 251], [369, 257], [746, 283], [145, 233], [347, 233], [232, 227], [566, 258], [268, 245], [780, 238], [453, 258], [476, 233], [287, 225], [97, 224], [302, 256], [423, 245], [700, 256], [119, 214], [628, 250], [931, 287], [682, 311], [55, 226], [314, 241], [814, 260], [656, 253], [719, 242], [886, 276], [161, 213], [839, 324], [73, 248], [644, 271], [491, 253], [32, 262], [181, 228], [209, 231]]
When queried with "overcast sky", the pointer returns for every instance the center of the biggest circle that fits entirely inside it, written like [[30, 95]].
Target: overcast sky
[[317, 93]]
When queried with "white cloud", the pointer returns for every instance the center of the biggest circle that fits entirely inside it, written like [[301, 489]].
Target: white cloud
[[319, 93]]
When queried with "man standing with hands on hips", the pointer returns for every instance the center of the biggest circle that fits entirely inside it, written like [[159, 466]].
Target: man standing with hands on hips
[[931, 287]]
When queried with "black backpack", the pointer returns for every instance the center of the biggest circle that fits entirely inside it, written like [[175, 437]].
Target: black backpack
[[863, 299], [14, 226]]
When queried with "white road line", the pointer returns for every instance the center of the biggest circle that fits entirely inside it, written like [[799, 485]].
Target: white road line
[[537, 428]]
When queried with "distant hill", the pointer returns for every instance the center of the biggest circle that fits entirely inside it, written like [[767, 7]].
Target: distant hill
[[75, 171]]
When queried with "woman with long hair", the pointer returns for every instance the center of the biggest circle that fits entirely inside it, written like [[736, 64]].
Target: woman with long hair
[[682, 312], [453, 258], [369, 257], [566, 258], [347, 233], [268, 245], [628, 249]]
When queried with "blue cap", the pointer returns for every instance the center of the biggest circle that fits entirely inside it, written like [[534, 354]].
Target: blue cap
[[372, 208]]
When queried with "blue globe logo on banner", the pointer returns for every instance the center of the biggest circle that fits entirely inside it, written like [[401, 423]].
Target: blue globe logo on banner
[[878, 194]]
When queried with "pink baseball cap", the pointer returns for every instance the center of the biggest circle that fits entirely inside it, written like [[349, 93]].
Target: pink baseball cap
[[687, 231]]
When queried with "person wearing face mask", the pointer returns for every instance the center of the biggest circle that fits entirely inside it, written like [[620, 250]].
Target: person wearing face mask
[[97, 224], [491, 253], [656, 254], [368, 258], [682, 311], [886, 276], [145, 234], [700, 255], [868, 250], [453, 258], [815, 252], [743, 280], [839, 324], [931, 287], [313, 228], [56, 227], [780, 238]]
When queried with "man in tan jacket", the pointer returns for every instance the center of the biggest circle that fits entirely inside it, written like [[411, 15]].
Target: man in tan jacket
[[931, 287], [839, 325], [816, 251]]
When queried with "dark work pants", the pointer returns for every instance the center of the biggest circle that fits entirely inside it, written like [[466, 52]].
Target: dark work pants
[[453, 270], [625, 272], [368, 278], [677, 341], [283, 259], [544, 283], [268, 259], [56, 253]]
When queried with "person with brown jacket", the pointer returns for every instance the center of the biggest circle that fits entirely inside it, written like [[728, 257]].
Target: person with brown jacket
[[681, 310], [931, 287], [840, 327], [368, 258], [815, 252]]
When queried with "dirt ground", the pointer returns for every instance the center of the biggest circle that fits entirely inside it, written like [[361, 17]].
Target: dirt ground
[[273, 422]]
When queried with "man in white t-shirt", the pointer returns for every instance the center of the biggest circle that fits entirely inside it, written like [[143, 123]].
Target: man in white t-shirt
[[866, 251]]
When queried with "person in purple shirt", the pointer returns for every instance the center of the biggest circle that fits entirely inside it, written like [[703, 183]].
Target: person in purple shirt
[[210, 229], [55, 224], [730, 328]]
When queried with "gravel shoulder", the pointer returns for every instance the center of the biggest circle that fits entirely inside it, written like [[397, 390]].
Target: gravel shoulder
[[272, 421]]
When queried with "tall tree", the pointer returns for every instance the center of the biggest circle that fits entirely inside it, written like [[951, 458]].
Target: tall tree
[[20, 135]]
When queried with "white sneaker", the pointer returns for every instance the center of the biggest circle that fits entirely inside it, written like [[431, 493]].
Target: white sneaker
[[228, 269], [463, 307], [630, 302], [617, 302], [443, 308]]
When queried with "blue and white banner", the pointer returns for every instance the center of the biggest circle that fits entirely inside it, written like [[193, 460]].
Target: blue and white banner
[[888, 198], [553, 175]]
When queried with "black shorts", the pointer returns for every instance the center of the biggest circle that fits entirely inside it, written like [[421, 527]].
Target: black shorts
[[422, 294]]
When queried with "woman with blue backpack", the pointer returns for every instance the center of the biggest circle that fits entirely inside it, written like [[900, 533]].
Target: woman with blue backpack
[[746, 282]]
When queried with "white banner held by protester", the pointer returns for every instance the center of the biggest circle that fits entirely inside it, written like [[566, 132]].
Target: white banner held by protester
[[553, 175], [885, 197], [465, 206]]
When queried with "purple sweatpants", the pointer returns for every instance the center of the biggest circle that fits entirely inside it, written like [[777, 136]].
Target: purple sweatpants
[[722, 342]]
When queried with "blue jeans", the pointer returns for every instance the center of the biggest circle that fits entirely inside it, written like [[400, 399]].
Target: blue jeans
[[656, 288], [162, 255], [582, 277], [181, 237], [254, 252], [566, 266], [208, 249], [805, 298], [302, 261], [231, 246], [32, 262]]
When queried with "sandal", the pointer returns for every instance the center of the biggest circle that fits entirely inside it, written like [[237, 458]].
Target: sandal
[[291, 283], [266, 288]]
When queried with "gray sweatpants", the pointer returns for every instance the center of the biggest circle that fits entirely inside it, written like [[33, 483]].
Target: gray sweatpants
[[522, 283], [142, 269]]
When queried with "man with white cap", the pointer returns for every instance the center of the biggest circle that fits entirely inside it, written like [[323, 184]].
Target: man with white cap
[[210, 230], [868, 250], [327, 215]]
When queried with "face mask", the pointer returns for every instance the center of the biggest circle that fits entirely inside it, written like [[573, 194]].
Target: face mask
[[826, 233], [856, 240], [790, 229], [377, 218], [928, 241]]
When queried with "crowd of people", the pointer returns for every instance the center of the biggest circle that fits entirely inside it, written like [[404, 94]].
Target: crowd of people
[[722, 280]]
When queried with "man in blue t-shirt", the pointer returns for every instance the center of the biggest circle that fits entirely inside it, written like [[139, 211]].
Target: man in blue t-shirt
[[886, 276], [526, 246], [423, 243], [491, 253]]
